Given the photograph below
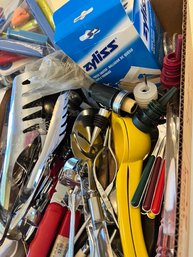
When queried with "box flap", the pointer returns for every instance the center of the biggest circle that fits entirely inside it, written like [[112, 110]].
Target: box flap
[[84, 31], [128, 6]]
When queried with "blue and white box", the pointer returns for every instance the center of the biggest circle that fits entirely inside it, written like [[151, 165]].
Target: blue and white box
[[110, 40]]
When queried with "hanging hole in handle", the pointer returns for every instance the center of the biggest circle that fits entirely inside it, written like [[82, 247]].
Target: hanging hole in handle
[[83, 15], [26, 82]]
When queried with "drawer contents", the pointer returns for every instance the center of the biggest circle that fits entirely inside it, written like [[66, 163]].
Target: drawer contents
[[89, 130]]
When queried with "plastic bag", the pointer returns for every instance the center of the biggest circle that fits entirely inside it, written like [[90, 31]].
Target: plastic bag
[[55, 73], [19, 28], [21, 39]]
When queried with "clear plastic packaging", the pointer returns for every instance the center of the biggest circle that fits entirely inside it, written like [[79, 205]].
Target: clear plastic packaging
[[171, 171], [29, 126], [54, 73], [21, 39], [20, 32], [167, 230]]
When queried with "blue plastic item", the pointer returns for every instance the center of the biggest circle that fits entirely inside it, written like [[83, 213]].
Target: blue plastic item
[[42, 21], [27, 36], [23, 48]]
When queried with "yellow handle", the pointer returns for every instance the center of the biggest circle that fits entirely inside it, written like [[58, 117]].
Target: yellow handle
[[123, 211], [131, 146], [135, 169]]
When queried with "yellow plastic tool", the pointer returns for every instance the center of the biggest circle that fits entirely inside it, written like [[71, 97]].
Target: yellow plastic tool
[[131, 146], [151, 215], [139, 147], [121, 147]]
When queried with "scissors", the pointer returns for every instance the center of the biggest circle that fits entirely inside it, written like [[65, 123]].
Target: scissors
[[105, 193]]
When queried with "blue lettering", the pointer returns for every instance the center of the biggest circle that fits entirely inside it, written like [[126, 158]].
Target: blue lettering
[[144, 14], [99, 56]]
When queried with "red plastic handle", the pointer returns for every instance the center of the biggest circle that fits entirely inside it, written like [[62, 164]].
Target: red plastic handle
[[158, 196], [56, 167], [61, 243], [6, 57], [147, 202], [65, 228], [47, 231]]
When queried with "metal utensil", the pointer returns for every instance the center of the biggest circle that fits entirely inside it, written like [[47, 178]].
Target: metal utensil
[[81, 149], [105, 193], [70, 222], [54, 136], [73, 204]]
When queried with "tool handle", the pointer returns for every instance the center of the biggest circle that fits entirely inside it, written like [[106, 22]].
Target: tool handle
[[61, 243], [27, 36], [139, 192], [65, 228], [100, 232], [28, 49], [6, 57], [158, 196], [151, 188], [103, 245], [47, 12], [107, 97], [47, 231], [80, 254]]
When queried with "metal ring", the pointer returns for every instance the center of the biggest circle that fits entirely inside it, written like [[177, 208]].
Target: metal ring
[[119, 100]]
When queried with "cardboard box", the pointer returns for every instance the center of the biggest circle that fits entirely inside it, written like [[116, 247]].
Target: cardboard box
[[177, 17], [170, 15], [118, 42]]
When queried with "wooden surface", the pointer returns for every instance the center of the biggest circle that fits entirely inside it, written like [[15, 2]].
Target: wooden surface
[[185, 232]]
